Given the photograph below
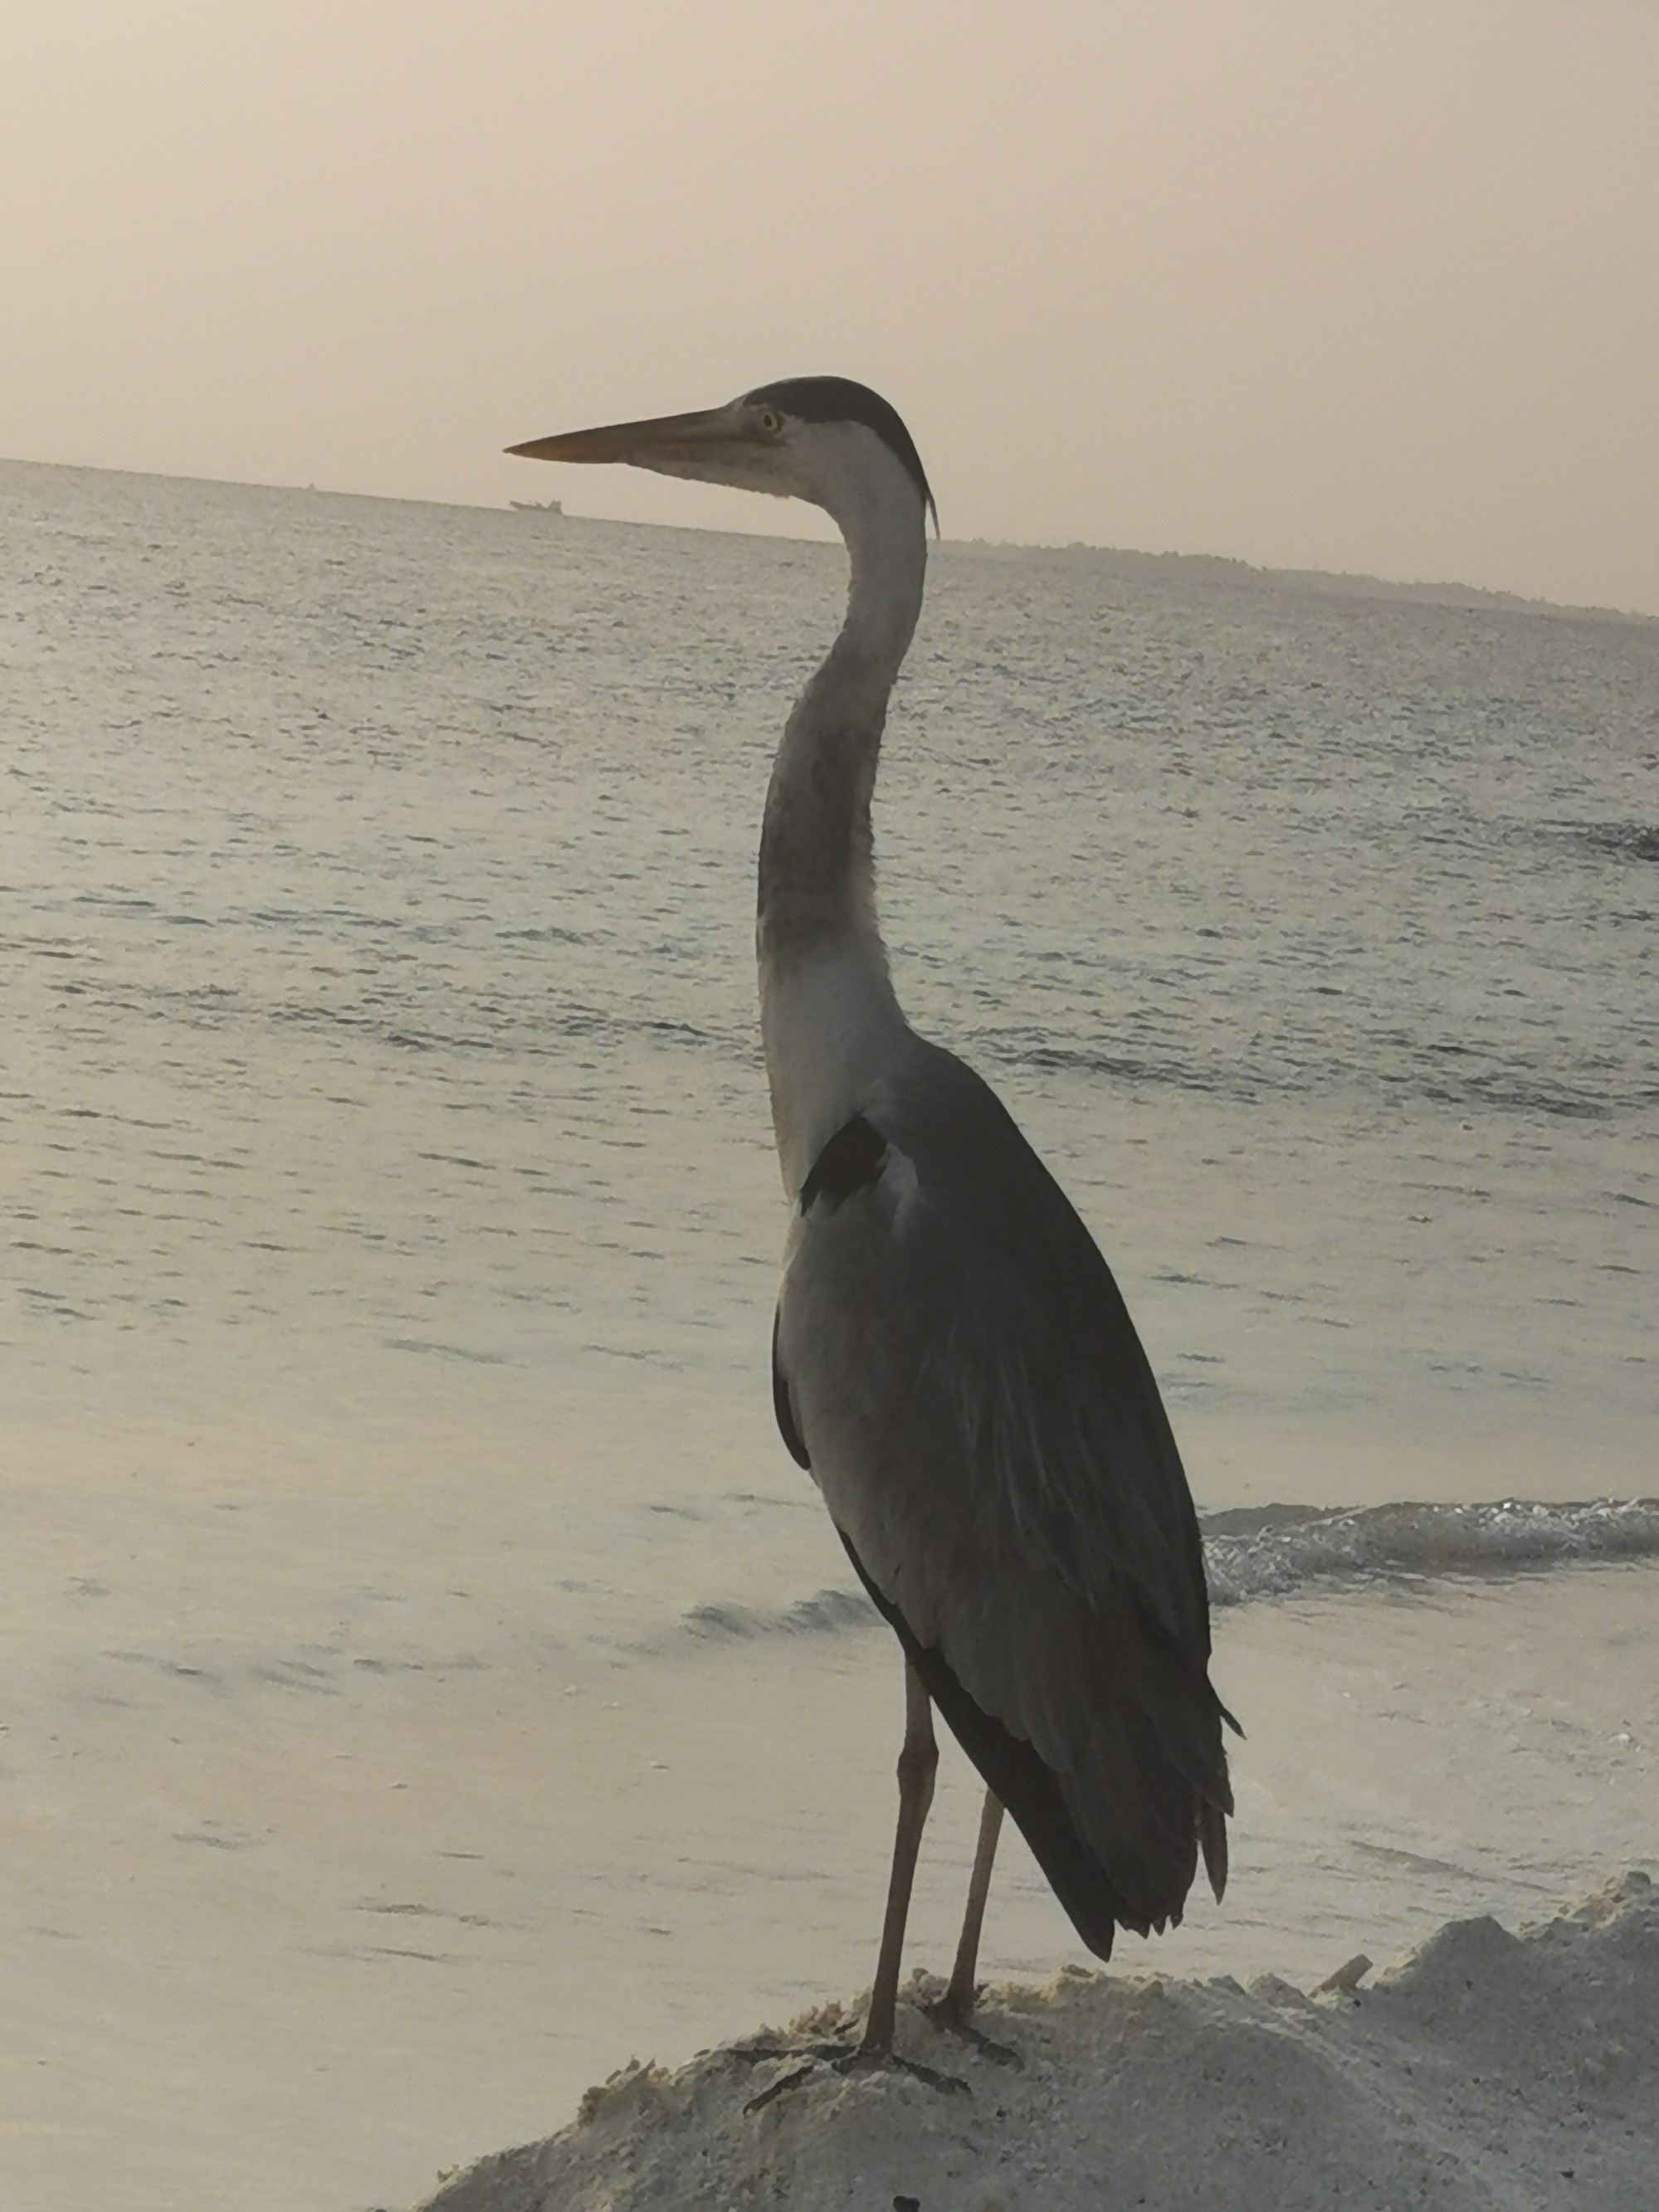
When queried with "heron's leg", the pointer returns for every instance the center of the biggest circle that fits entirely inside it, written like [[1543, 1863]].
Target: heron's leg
[[918, 1759], [958, 1999]]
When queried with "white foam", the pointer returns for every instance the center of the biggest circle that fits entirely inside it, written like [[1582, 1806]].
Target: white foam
[[1251, 1555]]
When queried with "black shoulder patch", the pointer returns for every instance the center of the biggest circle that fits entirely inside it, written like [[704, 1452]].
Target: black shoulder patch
[[839, 399], [794, 1442], [851, 1161]]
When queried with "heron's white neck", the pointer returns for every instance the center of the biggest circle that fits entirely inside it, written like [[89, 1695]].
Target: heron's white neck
[[829, 1016]]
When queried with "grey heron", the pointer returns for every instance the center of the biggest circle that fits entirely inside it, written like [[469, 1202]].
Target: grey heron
[[952, 1359]]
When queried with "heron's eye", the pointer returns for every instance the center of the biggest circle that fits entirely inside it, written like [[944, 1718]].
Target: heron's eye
[[771, 422]]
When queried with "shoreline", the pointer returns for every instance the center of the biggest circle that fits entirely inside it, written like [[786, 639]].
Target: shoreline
[[338, 1854]]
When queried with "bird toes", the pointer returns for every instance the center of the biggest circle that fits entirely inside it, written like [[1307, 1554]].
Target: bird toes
[[949, 2014], [835, 2058], [784, 2082], [810, 2056], [881, 2062]]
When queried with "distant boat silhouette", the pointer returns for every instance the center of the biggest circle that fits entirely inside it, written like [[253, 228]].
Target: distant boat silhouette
[[536, 506]]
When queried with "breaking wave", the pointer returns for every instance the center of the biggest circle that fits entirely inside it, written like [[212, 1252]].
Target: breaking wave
[[1279, 1550], [1276, 1551]]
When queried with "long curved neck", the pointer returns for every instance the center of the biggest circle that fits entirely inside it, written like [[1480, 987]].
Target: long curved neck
[[828, 1009]]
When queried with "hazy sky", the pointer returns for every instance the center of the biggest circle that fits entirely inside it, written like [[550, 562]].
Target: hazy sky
[[1347, 283]]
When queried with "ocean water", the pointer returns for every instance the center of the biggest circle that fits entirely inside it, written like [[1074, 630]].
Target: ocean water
[[394, 1521], [377, 893]]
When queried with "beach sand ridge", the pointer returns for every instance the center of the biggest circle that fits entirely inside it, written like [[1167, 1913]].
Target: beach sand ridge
[[1487, 2069]]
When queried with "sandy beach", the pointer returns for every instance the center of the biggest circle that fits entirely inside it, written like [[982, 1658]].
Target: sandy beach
[[1485, 2070]]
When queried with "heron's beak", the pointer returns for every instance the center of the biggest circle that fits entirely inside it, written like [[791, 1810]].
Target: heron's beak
[[659, 444]]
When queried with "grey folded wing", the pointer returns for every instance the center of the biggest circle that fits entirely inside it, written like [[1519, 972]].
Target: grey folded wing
[[954, 1359]]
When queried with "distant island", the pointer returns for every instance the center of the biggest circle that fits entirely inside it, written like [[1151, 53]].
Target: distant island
[[1191, 568], [1220, 568]]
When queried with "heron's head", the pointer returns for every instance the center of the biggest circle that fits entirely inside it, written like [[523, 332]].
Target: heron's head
[[819, 438]]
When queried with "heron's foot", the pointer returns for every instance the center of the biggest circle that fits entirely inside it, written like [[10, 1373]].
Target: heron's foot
[[952, 2015], [835, 2058], [808, 2054], [784, 2082], [753, 2054], [864, 2060], [809, 2058]]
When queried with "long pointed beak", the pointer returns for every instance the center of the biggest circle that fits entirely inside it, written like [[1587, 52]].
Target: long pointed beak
[[667, 438]]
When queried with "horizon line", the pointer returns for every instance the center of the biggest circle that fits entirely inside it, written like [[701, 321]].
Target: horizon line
[[1499, 597]]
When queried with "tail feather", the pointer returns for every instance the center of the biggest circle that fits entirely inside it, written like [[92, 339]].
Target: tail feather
[[1213, 1839], [1123, 1861]]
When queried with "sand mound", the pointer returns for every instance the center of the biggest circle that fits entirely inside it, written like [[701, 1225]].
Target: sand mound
[[1487, 2071]]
